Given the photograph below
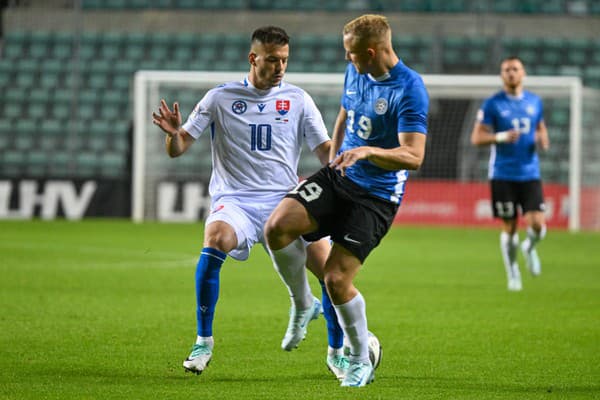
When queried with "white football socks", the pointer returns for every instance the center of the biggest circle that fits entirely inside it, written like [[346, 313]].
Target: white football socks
[[335, 352], [289, 263], [508, 248], [533, 237], [352, 317], [208, 340]]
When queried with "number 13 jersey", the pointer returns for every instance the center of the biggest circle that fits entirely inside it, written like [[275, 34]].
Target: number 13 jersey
[[513, 161]]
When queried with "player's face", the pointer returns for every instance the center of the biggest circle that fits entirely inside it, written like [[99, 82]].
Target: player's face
[[512, 73], [268, 62], [358, 53]]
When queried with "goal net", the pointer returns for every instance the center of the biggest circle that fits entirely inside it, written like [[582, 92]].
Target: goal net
[[451, 186]]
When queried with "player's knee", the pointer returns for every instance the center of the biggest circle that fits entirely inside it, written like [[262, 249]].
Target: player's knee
[[536, 221], [220, 241], [336, 284], [537, 225], [275, 233], [509, 226]]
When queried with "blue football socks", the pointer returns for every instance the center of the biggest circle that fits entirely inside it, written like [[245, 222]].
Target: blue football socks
[[207, 288], [335, 335]]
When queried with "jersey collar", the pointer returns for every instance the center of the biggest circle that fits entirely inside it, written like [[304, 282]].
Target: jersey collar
[[246, 82], [391, 73], [517, 97]]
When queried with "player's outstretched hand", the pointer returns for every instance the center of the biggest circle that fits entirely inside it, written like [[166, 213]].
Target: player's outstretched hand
[[348, 158], [167, 120]]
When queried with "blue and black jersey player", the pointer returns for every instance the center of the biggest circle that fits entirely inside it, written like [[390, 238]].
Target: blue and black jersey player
[[380, 133], [512, 123]]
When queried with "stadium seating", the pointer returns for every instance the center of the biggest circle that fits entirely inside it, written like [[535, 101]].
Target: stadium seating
[[576, 7], [60, 89]]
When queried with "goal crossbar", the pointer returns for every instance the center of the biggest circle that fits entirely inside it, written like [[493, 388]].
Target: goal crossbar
[[439, 86]]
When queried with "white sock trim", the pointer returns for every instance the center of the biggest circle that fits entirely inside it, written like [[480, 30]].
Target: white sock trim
[[508, 248], [205, 340], [335, 352]]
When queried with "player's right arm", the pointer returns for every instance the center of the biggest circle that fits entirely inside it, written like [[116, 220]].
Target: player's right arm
[[322, 152], [482, 135], [177, 140], [483, 132], [339, 130]]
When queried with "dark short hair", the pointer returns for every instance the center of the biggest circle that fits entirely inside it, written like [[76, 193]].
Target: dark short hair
[[512, 58], [271, 35]]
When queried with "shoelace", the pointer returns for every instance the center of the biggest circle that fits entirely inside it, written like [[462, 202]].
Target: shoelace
[[340, 362], [298, 317], [200, 349], [354, 372]]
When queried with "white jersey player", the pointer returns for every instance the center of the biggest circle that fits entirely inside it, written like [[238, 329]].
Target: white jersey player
[[257, 127], [256, 138]]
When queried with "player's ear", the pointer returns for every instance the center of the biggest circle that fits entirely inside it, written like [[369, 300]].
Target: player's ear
[[252, 58]]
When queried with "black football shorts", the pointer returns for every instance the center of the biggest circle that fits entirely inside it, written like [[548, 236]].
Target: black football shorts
[[509, 196], [345, 211]]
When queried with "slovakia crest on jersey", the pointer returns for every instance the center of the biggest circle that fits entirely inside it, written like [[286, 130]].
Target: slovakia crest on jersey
[[282, 106]]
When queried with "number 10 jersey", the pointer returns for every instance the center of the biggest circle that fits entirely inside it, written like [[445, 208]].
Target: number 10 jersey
[[256, 136]]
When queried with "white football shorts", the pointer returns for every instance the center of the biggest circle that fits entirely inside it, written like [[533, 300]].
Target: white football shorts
[[247, 217]]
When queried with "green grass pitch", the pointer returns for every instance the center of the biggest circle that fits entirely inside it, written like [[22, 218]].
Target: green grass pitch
[[106, 310]]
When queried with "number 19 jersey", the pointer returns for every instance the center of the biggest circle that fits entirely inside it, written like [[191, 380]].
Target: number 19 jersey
[[377, 112], [256, 136]]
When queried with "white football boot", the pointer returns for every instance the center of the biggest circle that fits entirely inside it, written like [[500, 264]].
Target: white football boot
[[514, 279], [533, 261], [359, 374], [299, 319], [338, 365], [198, 359], [375, 350], [515, 285]]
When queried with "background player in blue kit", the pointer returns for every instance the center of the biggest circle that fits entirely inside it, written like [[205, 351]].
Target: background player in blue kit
[[380, 132], [254, 164], [512, 122]]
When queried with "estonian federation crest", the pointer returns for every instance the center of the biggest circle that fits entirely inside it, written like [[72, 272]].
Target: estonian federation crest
[[282, 106], [381, 106], [239, 107]]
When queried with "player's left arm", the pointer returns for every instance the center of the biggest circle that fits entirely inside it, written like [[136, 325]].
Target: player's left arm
[[339, 130], [409, 155], [541, 136]]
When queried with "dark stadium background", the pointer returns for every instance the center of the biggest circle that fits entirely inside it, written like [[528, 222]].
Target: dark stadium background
[[66, 70], [103, 308]]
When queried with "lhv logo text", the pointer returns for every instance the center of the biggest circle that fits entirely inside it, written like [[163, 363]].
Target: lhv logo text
[[50, 198]]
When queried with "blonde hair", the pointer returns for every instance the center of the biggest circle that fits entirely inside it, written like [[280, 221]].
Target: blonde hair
[[369, 28]]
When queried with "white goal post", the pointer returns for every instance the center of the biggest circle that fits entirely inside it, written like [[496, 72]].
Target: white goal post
[[153, 170]]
